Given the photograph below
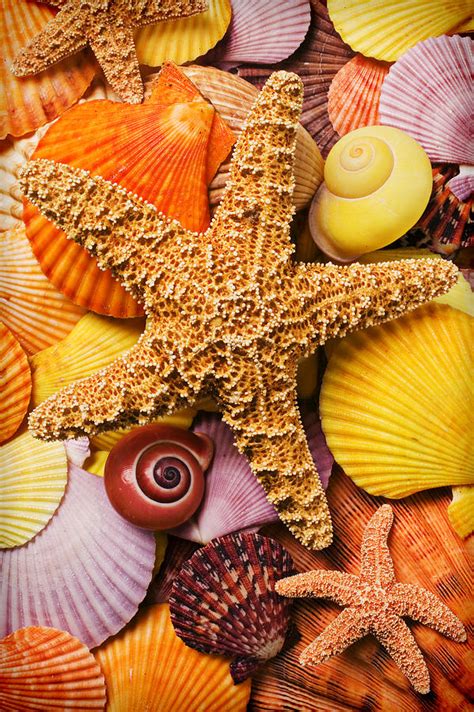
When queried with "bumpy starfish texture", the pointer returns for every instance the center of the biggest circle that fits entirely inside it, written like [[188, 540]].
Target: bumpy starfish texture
[[376, 604], [230, 313], [107, 27]]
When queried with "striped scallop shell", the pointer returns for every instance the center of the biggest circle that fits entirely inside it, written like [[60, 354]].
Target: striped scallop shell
[[233, 98], [461, 510], [385, 29], [15, 383], [183, 39], [30, 102], [91, 567], [396, 400], [147, 667], [33, 476], [354, 94], [462, 185], [30, 305], [428, 94], [45, 669]]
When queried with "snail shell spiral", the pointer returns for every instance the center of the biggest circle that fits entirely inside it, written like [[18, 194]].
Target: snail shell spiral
[[154, 476], [378, 181]]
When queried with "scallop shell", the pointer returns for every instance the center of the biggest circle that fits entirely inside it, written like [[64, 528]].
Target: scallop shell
[[30, 305], [462, 185], [426, 552], [461, 510], [26, 104], [428, 94], [85, 573], [262, 32], [33, 477], [387, 29], [233, 98], [390, 421], [224, 600], [45, 668], [177, 552], [354, 94], [15, 382], [147, 667]]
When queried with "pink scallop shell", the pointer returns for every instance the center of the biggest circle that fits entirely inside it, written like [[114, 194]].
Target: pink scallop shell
[[462, 185], [428, 94], [85, 573]]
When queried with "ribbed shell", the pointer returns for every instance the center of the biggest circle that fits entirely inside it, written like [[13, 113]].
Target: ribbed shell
[[177, 552], [15, 383], [147, 667], [27, 103], [462, 185], [85, 573], [461, 510], [45, 669], [428, 94], [33, 477]]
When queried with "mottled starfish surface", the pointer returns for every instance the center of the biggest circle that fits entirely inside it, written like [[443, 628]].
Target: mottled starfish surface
[[230, 313], [107, 27], [376, 604]]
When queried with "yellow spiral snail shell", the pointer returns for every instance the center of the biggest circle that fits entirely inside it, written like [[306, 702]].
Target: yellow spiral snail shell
[[377, 183]]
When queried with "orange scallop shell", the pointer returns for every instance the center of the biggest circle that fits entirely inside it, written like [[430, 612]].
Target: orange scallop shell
[[15, 382], [30, 102], [164, 150], [45, 669]]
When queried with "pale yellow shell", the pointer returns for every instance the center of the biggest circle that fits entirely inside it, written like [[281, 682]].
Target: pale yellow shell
[[378, 181]]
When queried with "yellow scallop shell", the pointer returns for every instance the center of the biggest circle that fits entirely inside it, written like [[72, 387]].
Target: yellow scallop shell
[[377, 185], [461, 510], [397, 400]]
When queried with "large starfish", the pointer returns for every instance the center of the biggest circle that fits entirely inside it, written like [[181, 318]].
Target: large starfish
[[230, 313], [107, 27], [376, 604]]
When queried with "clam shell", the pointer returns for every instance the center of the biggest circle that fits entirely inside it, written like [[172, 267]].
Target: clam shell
[[85, 573], [33, 477], [426, 552], [147, 667], [224, 601], [262, 32], [428, 94], [185, 38], [30, 305], [233, 98], [354, 94], [462, 185], [461, 510], [27, 103], [45, 668], [386, 30], [15, 381], [390, 421]]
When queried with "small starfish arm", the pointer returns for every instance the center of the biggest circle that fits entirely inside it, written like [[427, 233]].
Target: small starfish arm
[[123, 232], [376, 562], [349, 626], [334, 585], [421, 605]]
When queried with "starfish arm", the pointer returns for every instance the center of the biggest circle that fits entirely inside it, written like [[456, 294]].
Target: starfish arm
[[335, 585], [397, 639], [347, 628], [335, 300], [255, 213], [376, 562], [421, 605], [124, 233], [62, 36]]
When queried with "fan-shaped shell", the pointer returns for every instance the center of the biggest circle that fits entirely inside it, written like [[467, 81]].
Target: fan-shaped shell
[[387, 29], [177, 552], [15, 382], [233, 98], [33, 476], [224, 601], [148, 667], [90, 565], [390, 420], [461, 510], [27, 103], [354, 94], [428, 94], [185, 38], [462, 185], [30, 305], [45, 668]]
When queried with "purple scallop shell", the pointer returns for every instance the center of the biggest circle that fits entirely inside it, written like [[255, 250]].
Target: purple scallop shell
[[224, 600], [462, 185], [177, 552]]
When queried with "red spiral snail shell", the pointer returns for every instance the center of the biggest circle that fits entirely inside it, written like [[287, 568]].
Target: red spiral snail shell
[[154, 476]]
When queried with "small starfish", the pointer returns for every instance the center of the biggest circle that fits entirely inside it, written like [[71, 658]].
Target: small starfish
[[375, 603], [107, 27], [230, 313]]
